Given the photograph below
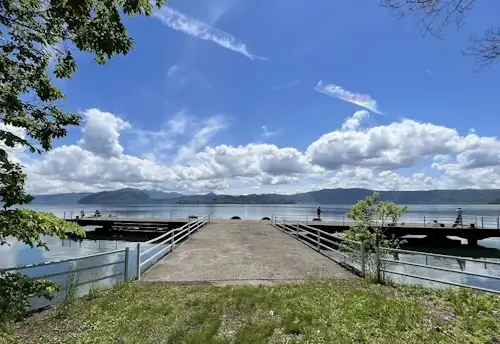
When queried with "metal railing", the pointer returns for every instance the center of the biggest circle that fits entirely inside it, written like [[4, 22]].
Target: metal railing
[[427, 221], [80, 273], [83, 272], [167, 244], [434, 271], [168, 216]]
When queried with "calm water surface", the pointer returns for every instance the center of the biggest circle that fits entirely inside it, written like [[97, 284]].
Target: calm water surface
[[19, 254]]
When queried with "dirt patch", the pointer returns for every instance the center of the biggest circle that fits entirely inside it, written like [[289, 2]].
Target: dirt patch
[[439, 313]]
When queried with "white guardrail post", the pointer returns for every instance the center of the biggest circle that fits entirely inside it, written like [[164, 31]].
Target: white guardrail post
[[126, 264], [138, 262], [319, 240], [172, 239]]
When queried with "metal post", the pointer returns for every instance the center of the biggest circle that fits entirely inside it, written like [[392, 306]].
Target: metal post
[[363, 259], [284, 224], [138, 262], [319, 240], [208, 217], [425, 222], [426, 260], [498, 223], [377, 263], [172, 240], [125, 268], [297, 230], [71, 215], [482, 222], [343, 219], [64, 216]]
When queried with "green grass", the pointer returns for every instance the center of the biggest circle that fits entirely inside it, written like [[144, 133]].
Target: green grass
[[327, 311]]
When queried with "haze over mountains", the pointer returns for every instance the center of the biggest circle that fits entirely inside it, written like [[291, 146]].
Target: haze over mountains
[[325, 196]]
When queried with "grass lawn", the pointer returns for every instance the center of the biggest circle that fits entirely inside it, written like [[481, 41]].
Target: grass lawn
[[326, 311]]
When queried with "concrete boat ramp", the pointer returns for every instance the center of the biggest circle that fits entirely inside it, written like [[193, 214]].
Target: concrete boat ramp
[[242, 252]]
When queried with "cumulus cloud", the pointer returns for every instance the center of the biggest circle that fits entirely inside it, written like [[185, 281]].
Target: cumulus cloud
[[399, 144], [339, 92], [350, 156], [101, 133], [198, 29], [16, 153], [353, 122]]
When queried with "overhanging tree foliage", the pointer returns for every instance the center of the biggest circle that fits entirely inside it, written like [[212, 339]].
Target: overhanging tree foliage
[[435, 15], [37, 38]]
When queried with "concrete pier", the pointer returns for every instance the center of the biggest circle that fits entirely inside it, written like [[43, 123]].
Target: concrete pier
[[242, 252]]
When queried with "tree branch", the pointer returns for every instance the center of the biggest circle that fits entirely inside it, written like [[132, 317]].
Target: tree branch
[[435, 15]]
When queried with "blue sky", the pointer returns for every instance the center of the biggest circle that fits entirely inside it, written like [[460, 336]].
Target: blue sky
[[234, 73]]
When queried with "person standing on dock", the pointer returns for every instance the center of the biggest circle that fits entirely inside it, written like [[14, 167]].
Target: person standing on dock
[[318, 212], [458, 221]]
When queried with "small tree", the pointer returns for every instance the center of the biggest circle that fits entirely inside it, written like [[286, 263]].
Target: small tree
[[371, 220], [37, 36]]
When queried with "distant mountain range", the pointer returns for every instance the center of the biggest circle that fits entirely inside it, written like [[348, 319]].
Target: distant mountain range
[[325, 196]]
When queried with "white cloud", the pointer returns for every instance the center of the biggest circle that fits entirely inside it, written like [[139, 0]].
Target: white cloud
[[353, 122], [338, 92], [201, 136], [178, 123], [350, 156], [101, 133], [267, 133], [173, 70], [176, 77], [196, 28], [399, 144], [16, 153]]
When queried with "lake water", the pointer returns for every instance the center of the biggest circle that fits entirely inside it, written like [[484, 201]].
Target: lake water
[[19, 254]]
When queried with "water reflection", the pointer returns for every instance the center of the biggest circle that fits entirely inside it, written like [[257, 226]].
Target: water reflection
[[489, 267]]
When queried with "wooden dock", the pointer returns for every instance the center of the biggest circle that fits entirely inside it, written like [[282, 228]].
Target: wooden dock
[[242, 252]]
